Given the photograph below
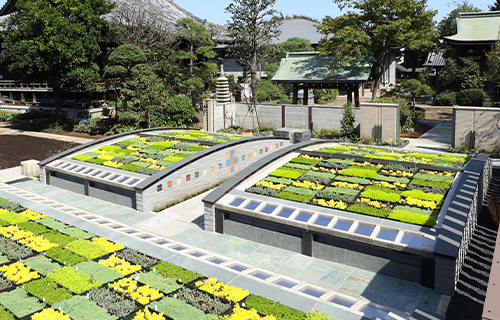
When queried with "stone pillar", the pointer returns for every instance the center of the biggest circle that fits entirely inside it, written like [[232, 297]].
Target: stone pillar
[[223, 95], [209, 124], [380, 121]]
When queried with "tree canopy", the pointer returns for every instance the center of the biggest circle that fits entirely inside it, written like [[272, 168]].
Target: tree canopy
[[448, 25], [495, 6], [56, 42], [374, 29], [252, 26]]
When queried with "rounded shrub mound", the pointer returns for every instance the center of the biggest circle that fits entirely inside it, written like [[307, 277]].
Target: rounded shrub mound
[[445, 98], [470, 97]]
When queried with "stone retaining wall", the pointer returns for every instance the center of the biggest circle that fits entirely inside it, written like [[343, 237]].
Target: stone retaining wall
[[476, 127]]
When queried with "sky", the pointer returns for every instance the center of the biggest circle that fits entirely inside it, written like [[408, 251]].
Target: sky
[[213, 10]]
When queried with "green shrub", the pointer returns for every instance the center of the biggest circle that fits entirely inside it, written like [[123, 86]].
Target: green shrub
[[98, 271], [115, 303], [347, 122], [411, 217], [19, 303], [418, 194], [303, 160], [159, 282], [179, 310], [357, 180], [77, 306], [286, 172], [433, 177], [126, 159], [176, 272], [336, 164], [287, 195], [64, 256], [136, 257], [425, 212], [12, 206], [58, 237], [399, 167], [74, 280], [471, 97], [48, 289], [361, 172], [33, 227], [87, 249], [41, 264], [359, 208], [130, 167], [276, 309], [380, 196], [445, 98], [14, 250], [5, 315]]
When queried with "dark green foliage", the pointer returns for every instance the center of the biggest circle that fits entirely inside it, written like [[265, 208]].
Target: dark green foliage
[[347, 122], [59, 238], [34, 227], [470, 97], [294, 197], [445, 98], [380, 196], [130, 167], [176, 272], [330, 194], [263, 191], [411, 217], [269, 307], [359, 208], [433, 177], [64, 256], [361, 172], [383, 189], [303, 160], [267, 91], [48, 289]]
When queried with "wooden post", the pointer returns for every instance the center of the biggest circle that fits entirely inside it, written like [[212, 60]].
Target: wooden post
[[295, 98], [283, 123], [305, 96], [356, 96], [349, 94]]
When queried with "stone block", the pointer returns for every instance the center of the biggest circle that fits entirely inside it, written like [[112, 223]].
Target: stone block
[[295, 135], [30, 168]]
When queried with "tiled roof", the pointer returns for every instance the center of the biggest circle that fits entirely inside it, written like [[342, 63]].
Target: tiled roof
[[476, 27], [308, 67]]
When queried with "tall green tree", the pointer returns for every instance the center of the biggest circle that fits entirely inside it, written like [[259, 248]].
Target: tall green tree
[[56, 41], [252, 26], [374, 29], [196, 48], [495, 6], [448, 25]]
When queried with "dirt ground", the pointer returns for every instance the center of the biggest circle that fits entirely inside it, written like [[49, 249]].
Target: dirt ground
[[17, 148]]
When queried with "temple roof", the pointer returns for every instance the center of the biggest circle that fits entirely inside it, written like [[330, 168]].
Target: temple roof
[[308, 67], [476, 27]]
